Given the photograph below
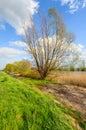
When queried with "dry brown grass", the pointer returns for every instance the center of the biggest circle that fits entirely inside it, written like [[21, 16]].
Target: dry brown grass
[[73, 78]]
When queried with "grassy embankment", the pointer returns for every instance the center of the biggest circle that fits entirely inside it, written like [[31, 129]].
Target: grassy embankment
[[26, 108], [71, 78], [76, 116]]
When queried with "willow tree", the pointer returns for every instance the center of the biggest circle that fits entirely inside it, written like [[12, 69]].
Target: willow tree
[[48, 41]]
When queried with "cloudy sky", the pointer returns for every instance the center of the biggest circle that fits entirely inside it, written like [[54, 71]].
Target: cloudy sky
[[12, 11]]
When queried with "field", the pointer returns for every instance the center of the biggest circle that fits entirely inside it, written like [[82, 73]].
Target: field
[[71, 78], [23, 107]]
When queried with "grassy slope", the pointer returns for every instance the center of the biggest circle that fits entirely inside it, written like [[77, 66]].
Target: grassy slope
[[37, 82], [25, 108], [79, 119]]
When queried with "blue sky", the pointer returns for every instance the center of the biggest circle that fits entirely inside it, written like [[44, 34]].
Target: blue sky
[[11, 46]]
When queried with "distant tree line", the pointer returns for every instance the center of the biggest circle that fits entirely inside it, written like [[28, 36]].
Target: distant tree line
[[72, 69]]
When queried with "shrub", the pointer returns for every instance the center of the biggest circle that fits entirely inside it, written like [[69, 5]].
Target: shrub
[[33, 73]]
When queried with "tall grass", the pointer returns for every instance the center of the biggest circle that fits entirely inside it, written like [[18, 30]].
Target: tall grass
[[73, 78], [25, 108]]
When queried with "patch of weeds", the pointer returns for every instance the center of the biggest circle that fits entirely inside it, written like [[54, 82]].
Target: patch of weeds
[[3, 79]]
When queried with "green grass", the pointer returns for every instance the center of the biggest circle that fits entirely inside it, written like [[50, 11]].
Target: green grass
[[26, 108], [37, 82], [74, 114]]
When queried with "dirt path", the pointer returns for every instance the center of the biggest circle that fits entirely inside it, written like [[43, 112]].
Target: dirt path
[[73, 96]]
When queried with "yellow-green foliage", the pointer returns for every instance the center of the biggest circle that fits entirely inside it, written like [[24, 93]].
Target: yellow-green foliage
[[25, 108], [10, 68], [33, 73], [22, 68]]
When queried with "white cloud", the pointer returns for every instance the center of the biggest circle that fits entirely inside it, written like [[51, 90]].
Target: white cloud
[[76, 55], [2, 27], [76, 48], [80, 50], [9, 55], [18, 44], [74, 5], [81, 46], [4, 61], [13, 11], [6, 52], [67, 1], [84, 4]]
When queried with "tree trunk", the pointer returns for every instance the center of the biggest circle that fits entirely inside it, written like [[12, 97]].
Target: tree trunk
[[43, 74]]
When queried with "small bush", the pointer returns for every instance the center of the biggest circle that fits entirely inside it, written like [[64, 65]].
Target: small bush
[[33, 73], [22, 68]]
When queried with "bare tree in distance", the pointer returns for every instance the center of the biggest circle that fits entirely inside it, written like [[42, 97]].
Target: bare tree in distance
[[48, 42]]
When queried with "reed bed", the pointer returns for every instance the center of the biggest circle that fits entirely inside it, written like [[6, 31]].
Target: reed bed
[[72, 78]]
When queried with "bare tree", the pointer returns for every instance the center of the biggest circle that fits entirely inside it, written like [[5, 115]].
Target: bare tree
[[48, 42]]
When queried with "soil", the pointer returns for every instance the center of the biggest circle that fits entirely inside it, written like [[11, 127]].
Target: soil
[[72, 95]]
